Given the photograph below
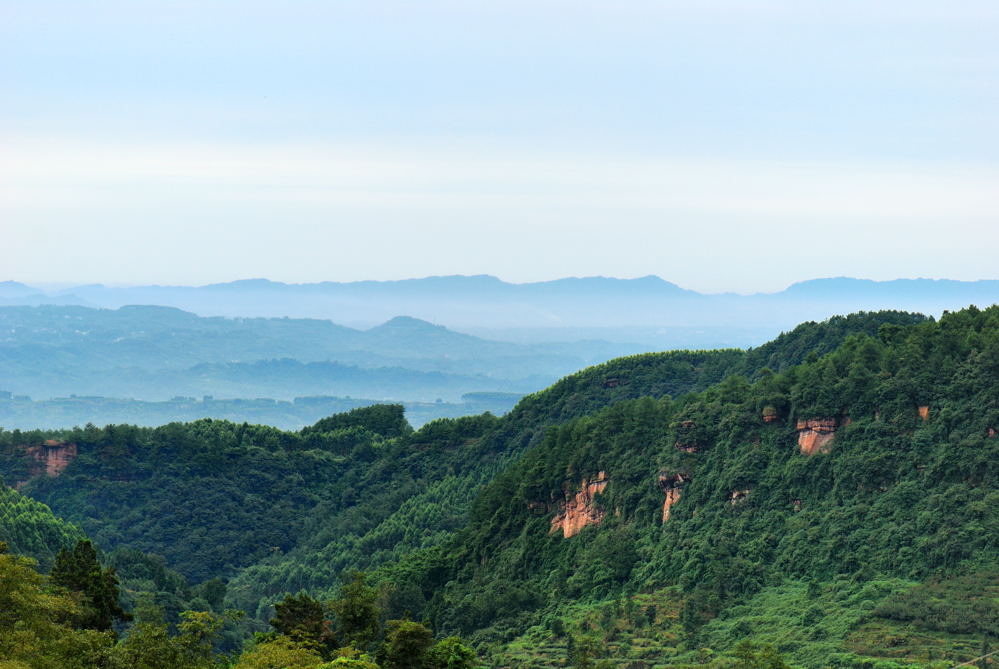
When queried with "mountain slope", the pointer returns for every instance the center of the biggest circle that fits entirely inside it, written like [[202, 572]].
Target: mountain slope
[[877, 460], [493, 526]]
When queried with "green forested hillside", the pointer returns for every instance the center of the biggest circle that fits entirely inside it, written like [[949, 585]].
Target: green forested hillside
[[897, 495], [822, 488], [30, 528]]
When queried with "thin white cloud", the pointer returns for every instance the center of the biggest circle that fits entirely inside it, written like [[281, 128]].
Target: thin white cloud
[[331, 175]]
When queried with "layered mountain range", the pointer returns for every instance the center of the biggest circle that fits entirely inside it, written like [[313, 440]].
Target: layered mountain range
[[156, 353], [608, 307]]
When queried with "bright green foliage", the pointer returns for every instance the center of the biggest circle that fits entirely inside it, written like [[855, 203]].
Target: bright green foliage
[[407, 645], [358, 662], [451, 653], [79, 572], [280, 653], [150, 646], [32, 632], [30, 528]]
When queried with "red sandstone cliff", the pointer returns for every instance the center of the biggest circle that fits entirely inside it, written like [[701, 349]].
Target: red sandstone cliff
[[815, 435], [671, 483], [49, 458], [578, 510]]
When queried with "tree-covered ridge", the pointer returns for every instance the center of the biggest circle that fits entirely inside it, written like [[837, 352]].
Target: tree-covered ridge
[[897, 494], [400, 513], [210, 496], [285, 511], [29, 527]]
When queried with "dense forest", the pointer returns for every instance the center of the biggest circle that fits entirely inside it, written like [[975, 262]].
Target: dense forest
[[827, 499]]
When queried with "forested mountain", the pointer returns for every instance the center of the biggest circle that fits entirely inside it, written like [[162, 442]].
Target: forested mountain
[[816, 495]]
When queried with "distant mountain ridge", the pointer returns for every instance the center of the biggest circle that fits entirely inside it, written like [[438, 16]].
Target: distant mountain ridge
[[157, 352], [487, 303]]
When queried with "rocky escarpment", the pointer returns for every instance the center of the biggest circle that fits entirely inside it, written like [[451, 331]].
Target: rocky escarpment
[[671, 483], [50, 458], [578, 510], [815, 435]]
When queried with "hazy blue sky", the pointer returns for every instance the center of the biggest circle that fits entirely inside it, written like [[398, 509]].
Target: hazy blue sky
[[722, 145]]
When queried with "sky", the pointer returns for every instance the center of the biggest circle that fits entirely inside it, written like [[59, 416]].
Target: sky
[[722, 145]]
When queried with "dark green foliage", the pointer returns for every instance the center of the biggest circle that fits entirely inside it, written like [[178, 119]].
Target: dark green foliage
[[79, 571], [817, 339], [451, 653], [357, 613], [384, 419], [303, 620], [896, 495], [189, 492]]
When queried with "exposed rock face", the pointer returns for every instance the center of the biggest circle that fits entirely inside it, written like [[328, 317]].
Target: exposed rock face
[[671, 483], [993, 433], [50, 458], [578, 511], [815, 435], [737, 496], [770, 415], [924, 412]]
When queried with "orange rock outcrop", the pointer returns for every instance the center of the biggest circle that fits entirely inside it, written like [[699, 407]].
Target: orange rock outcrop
[[578, 510], [815, 435], [50, 458], [924, 412], [670, 484], [737, 496]]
